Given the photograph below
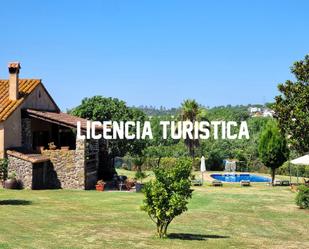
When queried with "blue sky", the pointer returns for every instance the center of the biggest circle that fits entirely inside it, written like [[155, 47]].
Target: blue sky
[[156, 52]]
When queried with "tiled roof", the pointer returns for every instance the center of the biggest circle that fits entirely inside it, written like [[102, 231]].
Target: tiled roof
[[7, 106], [28, 156], [60, 118]]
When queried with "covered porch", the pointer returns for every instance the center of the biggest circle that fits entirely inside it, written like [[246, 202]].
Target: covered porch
[[69, 163]]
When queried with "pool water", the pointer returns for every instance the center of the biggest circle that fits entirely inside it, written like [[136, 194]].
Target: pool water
[[239, 177]]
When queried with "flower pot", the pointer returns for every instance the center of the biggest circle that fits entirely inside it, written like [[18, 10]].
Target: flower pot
[[139, 187], [99, 187], [11, 183]]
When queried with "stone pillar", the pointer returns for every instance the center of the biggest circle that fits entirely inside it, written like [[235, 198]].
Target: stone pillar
[[80, 162], [26, 139]]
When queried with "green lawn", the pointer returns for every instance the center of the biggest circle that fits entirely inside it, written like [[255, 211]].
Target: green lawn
[[228, 217]]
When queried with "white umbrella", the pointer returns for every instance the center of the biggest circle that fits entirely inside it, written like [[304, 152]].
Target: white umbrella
[[303, 160], [203, 168]]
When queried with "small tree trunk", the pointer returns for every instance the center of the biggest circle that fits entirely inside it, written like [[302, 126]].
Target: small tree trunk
[[273, 173], [159, 160], [165, 229], [158, 229], [161, 230]]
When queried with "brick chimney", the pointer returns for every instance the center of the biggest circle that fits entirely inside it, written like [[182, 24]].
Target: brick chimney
[[13, 80]]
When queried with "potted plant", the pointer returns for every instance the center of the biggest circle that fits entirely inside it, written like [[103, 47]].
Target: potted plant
[[100, 185], [130, 183], [139, 175], [11, 182], [52, 146]]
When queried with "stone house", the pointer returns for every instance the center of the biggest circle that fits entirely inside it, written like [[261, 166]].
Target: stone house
[[39, 140]]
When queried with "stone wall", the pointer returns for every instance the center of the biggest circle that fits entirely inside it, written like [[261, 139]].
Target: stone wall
[[69, 166], [22, 169], [67, 169]]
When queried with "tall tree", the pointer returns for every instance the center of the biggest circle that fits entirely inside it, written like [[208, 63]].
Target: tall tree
[[190, 111], [273, 150], [292, 107], [99, 108]]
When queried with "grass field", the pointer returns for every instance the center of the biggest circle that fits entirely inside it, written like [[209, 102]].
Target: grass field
[[228, 217]]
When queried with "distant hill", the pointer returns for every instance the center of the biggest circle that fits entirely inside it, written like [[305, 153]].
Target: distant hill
[[240, 112], [161, 111]]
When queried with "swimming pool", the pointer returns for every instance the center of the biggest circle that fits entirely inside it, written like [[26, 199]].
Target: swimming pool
[[239, 177]]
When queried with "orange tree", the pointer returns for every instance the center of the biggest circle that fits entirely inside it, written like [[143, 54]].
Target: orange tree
[[167, 196]]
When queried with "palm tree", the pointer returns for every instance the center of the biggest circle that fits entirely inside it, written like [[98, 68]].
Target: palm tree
[[190, 111]]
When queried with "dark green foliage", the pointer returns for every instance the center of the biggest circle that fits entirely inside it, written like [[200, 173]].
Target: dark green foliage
[[273, 150], [215, 160], [190, 110], [215, 151], [167, 196], [295, 170], [140, 175], [302, 198], [99, 108], [161, 111], [234, 113], [3, 169], [292, 107], [138, 162]]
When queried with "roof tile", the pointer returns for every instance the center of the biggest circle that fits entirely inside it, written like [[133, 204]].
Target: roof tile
[[7, 106]]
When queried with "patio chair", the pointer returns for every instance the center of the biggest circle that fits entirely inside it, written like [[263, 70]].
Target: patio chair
[[285, 183], [245, 183], [196, 182], [121, 182], [277, 182], [217, 183]]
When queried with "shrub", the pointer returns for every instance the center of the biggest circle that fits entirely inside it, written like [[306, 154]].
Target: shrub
[[3, 169], [167, 196], [196, 163], [140, 175], [167, 162], [215, 161], [301, 170], [302, 198]]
